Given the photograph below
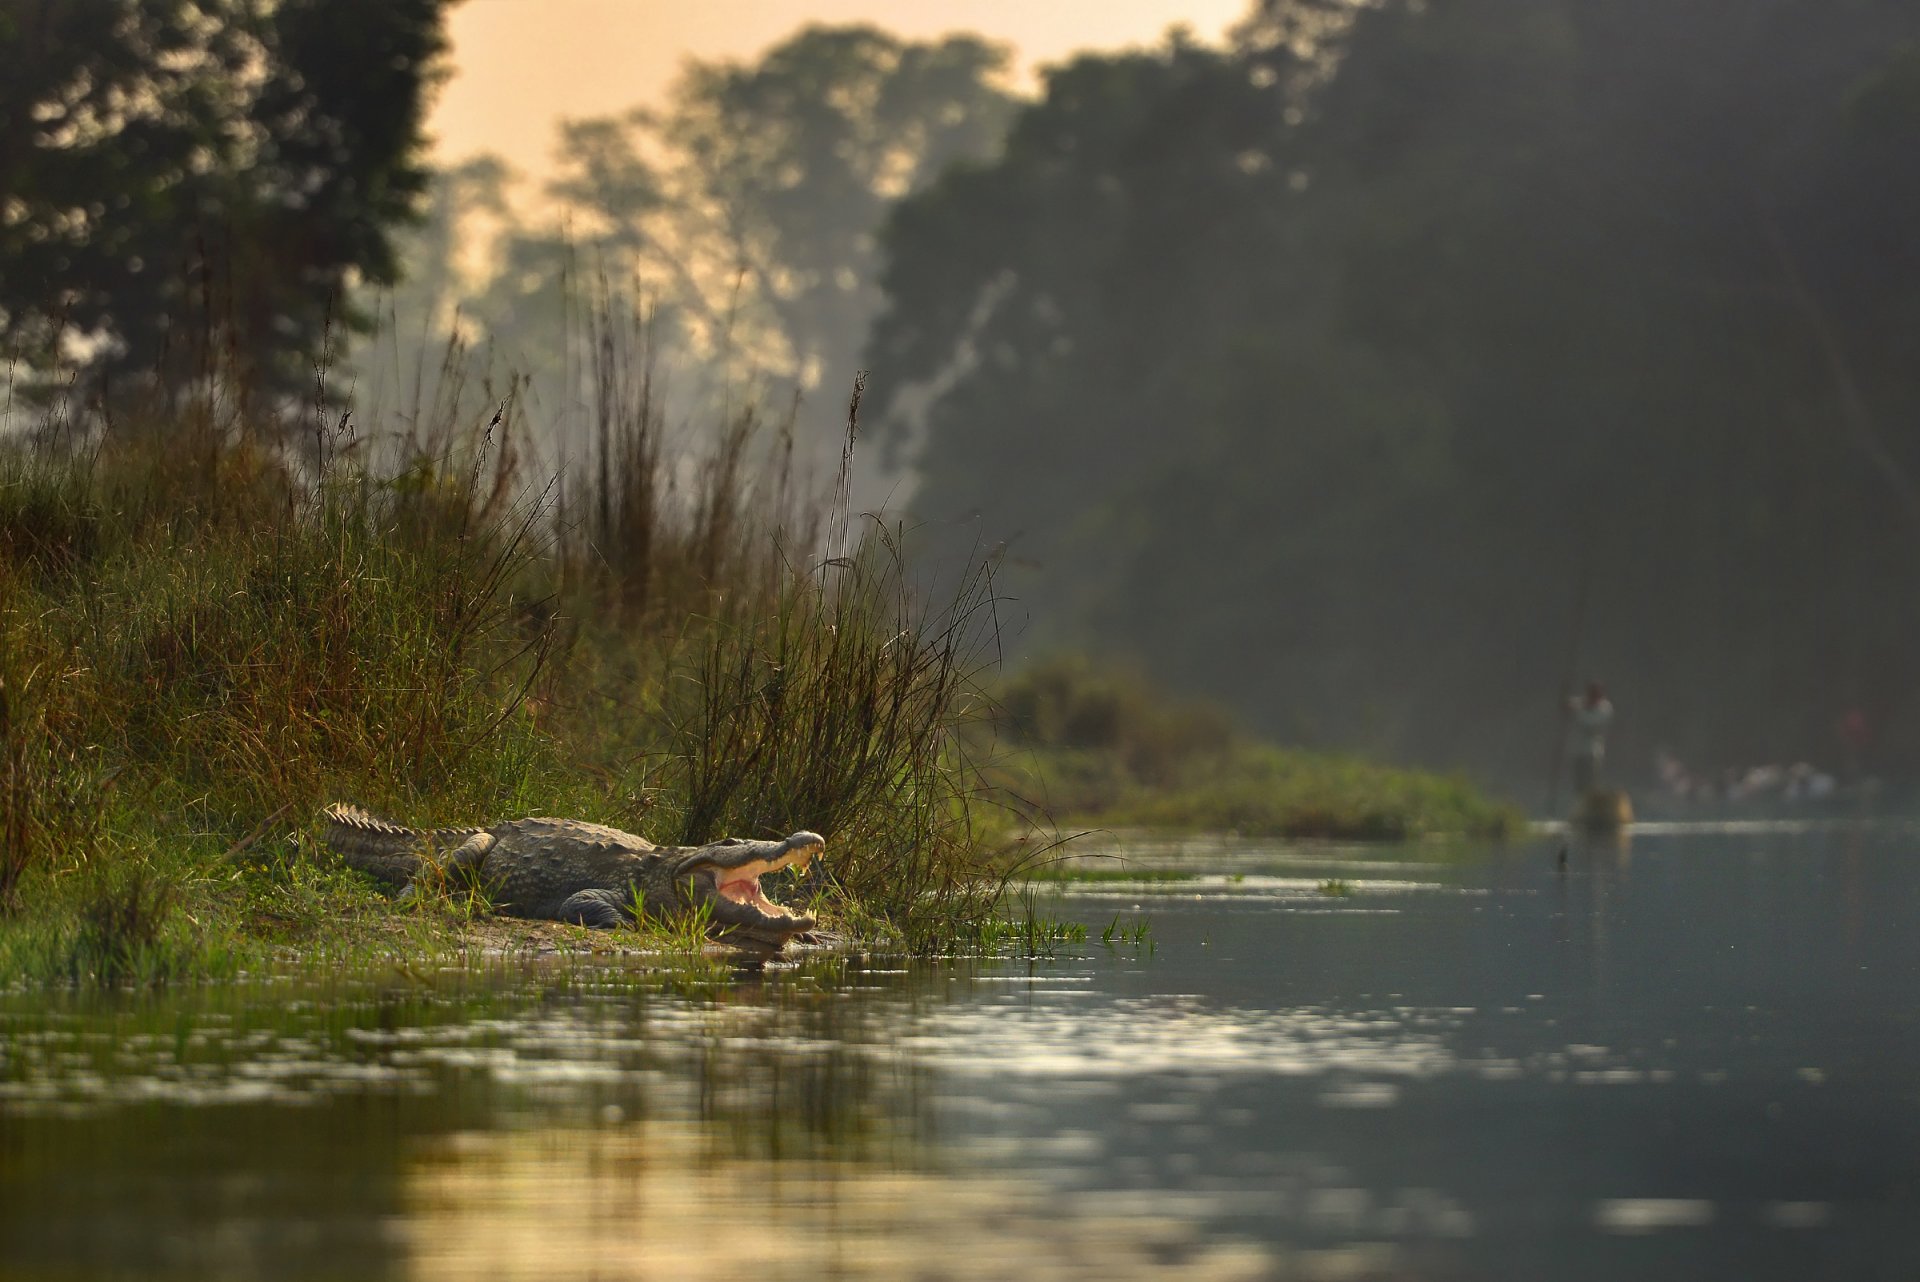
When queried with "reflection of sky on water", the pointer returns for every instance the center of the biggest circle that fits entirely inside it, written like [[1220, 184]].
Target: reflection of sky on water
[[1250, 889], [1050, 1033], [1018, 1027], [652, 1201]]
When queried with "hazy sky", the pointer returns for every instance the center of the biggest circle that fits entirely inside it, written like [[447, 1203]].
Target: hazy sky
[[521, 65]]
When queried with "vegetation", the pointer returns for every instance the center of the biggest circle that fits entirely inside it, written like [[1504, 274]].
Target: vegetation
[[745, 207], [1136, 934], [203, 641], [1315, 372], [223, 169], [225, 600], [1099, 746], [1026, 931]]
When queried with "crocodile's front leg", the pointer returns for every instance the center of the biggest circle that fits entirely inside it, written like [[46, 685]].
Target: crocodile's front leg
[[601, 909]]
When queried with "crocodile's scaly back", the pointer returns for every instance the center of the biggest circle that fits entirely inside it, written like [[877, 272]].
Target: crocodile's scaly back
[[389, 852], [536, 864]]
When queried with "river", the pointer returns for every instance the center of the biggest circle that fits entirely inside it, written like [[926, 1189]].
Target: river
[[1694, 1054]]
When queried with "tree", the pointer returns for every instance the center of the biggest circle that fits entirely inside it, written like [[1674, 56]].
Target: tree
[[182, 180], [744, 211], [790, 165], [1312, 370]]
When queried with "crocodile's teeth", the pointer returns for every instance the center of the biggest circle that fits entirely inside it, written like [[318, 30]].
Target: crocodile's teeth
[[802, 859]]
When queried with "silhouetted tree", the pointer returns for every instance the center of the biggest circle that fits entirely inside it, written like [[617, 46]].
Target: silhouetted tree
[[183, 180], [790, 165], [744, 212]]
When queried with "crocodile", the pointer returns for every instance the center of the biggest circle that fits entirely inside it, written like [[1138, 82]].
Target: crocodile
[[567, 870]]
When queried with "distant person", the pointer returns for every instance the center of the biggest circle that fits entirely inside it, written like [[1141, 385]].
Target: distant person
[[1856, 737], [1592, 713]]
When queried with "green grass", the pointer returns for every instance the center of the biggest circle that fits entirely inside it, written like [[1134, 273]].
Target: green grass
[[1102, 747], [1136, 934], [204, 640], [1025, 932]]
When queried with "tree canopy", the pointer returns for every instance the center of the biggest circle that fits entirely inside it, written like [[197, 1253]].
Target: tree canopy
[[743, 211], [179, 180], [1318, 370]]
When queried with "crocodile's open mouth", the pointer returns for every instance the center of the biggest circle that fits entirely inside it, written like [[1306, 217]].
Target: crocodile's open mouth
[[742, 884], [731, 876]]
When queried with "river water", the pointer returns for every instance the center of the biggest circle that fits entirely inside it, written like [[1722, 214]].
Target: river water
[[1691, 1055]]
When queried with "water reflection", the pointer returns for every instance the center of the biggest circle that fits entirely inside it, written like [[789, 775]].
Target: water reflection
[[654, 1200], [1693, 1057], [1051, 1034]]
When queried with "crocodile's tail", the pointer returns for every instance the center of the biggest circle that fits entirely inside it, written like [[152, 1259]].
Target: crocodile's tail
[[390, 852]]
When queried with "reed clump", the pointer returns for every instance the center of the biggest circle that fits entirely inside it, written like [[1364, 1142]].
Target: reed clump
[[123, 931], [843, 709]]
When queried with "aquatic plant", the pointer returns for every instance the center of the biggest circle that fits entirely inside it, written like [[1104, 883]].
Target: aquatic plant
[[1025, 931], [1135, 934]]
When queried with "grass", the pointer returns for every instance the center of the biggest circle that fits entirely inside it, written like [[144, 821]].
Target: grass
[[213, 624], [1135, 934], [1103, 747], [1025, 932]]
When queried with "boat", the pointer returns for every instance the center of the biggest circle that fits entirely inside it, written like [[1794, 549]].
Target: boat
[[1603, 810]]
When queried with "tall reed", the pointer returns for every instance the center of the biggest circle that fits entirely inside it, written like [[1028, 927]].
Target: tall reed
[[804, 676]]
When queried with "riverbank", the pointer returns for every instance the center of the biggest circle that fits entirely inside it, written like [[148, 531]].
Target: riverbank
[[210, 629], [1102, 747]]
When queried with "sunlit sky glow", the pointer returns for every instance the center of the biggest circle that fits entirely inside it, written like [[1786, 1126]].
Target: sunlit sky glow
[[520, 66]]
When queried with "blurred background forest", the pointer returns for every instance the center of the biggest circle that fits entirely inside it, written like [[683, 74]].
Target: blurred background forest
[[1374, 371]]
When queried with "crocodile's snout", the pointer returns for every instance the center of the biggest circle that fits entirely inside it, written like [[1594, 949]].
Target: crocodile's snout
[[727, 876]]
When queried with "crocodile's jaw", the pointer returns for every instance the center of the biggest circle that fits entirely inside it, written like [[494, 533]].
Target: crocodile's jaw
[[729, 880]]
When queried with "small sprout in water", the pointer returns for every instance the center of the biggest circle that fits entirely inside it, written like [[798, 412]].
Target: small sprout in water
[[1334, 886]]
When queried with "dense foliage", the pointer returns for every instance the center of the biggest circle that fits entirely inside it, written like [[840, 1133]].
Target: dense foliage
[[1321, 371], [179, 180]]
